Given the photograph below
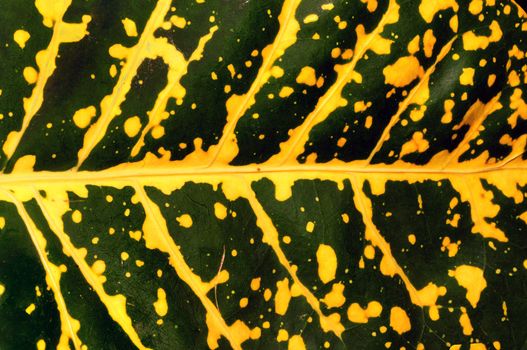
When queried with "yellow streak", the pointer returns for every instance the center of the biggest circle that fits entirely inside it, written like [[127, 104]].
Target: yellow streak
[[46, 64], [320, 113], [37, 237], [155, 116], [182, 269], [135, 57], [363, 204], [409, 99], [287, 31], [271, 237], [117, 313]]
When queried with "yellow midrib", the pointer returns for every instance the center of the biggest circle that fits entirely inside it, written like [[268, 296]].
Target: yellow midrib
[[153, 173]]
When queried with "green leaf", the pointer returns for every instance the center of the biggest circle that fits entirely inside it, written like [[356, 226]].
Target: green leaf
[[296, 174]]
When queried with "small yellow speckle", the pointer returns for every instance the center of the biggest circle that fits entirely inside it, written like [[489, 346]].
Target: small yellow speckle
[[76, 216]]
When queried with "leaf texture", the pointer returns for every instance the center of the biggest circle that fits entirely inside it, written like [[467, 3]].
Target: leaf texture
[[296, 174]]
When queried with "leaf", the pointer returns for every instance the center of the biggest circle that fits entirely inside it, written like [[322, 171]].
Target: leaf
[[263, 174]]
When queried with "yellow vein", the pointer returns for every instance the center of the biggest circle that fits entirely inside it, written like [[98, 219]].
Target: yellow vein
[[159, 237], [409, 99], [115, 304], [33, 104], [285, 37], [111, 103], [155, 174], [473, 131], [39, 243], [271, 237], [156, 115], [374, 236], [321, 111]]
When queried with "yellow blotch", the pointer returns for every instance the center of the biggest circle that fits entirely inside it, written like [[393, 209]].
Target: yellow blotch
[[2, 289], [475, 7], [465, 323], [29, 310], [413, 45], [357, 314], [220, 210], [467, 77], [282, 335], [2, 222], [454, 23], [98, 267], [184, 220], [429, 8], [160, 305], [255, 283], [296, 343], [417, 144], [371, 5], [76, 216], [310, 226], [158, 131], [129, 27], [21, 37], [369, 252], [471, 278], [471, 41], [327, 263], [368, 122], [429, 40], [514, 79], [311, 18], [403, 71], [113, 71], [448, 105], [335, 298], [30, 75], [41, 344], [132, 126], [83, 116], [286, 92], [411, 239], [307, 76], [282, 297], [399, 320], [179, 22], [480, 346]]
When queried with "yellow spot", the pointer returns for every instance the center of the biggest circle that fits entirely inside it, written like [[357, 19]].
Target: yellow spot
[[21, 37], [413, 45], [454, 23], [124, 256], [29, 310], [417, 144], [335, 298], [310, 226], [2, 289], [282, 297], [244, 302], [41, 344], [411, 239], [296, 343], [399, 320], [277, 72], [357, 314], [83, 116], [467, 77], [158, 131], [255, 283], [475, 7], [160, 305], [220, 210], [129, 27], [286, 92], [184, 220], [327, 263], [98, 267], [471, 278], [307, 76], [403, 71], [371, 5], [76, 216], [2, 222], [368, 122], [132, 126], [429, 40], [113, 71], [473, 42], [282, 335], [311, 18], [465, 323], [179, 22], [429, 8], [30, 75], [369, 252]]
